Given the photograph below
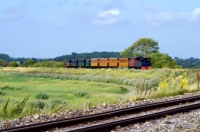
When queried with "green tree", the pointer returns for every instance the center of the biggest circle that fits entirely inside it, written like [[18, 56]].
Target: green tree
[[13, 64], [142, 47], [160, 60], [5, 57], [2, 62], [29, 62]]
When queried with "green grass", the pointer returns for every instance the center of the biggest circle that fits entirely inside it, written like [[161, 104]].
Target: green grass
[[25, 91], [47, 95]]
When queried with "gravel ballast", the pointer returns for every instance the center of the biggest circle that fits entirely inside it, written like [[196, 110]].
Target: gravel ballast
[[180, 122]]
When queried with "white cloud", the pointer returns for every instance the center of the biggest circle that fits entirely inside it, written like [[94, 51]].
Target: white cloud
[[161, 18], [195, 14], [108, 17], [109, 13]]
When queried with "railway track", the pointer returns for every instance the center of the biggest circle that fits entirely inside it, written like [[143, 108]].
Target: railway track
[[103, 116]]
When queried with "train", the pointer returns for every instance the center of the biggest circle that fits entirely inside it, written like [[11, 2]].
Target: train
[[132, 62]]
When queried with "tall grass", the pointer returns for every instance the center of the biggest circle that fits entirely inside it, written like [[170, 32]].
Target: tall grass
[[14, 110], [56, 89]]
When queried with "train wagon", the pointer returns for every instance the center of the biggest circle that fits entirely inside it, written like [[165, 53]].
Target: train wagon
[[113, 62], [123, 62], [74, 63], [94, 63], [81, 62], [84, 63], [87, 63], [103, 62], [133, 62]]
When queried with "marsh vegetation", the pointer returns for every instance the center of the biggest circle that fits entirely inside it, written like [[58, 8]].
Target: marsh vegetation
[[26, 91]]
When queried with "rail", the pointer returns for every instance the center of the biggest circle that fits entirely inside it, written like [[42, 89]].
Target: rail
[[135, 109]]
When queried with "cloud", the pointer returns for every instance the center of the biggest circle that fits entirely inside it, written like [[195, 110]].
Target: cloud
[[161, 18], [195, 14], [109, 13], [108, 17]]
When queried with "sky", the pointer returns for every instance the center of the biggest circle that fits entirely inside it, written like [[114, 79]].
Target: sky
[[51, 28]]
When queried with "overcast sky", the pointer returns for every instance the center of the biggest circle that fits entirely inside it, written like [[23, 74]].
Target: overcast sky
[[51, 28]]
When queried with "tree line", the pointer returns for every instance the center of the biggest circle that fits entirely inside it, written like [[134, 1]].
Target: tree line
[[146, 47], [188, 63], [95, 54], [6, 60]]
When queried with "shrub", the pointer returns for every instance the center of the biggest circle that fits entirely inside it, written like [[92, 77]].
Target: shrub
[[81, 94], [1, 100], [5, 109], [57, 104], [7, 88], [122, 90], [2, 93], [1, 62], [29, 62], [59, 64], [13, 64], [19, 107], [163, 86], [184, 83], [42, 95], [37, 104]]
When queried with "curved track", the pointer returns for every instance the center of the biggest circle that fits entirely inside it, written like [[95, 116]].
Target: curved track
[[111, 125]]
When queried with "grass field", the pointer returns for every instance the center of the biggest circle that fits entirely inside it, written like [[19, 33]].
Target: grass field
[[26, 91], [47, 95]]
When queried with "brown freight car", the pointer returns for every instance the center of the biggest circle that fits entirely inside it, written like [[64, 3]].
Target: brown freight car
[[123, 62], [113, 62], [94, 63], [103, 62]]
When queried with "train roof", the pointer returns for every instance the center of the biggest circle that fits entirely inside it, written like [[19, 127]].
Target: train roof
[[139, 57]]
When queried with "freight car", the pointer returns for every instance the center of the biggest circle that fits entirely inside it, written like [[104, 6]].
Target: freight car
[[133, 62]]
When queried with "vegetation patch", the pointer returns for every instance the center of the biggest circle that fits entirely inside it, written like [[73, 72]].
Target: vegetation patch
[[42, 95], [38, 104], [56, 89], [7, 88], [81, 94], [2, 93]]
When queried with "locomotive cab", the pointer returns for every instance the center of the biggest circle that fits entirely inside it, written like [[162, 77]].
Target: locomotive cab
[[145, 63], [68, 63]]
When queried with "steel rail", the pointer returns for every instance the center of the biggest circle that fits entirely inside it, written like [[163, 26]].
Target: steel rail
[[107, 127], [80, 119]]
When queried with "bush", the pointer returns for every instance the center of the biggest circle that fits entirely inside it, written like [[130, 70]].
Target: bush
[[2, 93], [81, 94], [49, 64], [19, 107], [29, 62], [7, 88], [1, 100], [13, 64], [38, 104], [42, 95], [1, 62], [57, 104]]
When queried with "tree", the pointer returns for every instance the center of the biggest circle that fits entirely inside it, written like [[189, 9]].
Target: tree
[[29, 62], [5, 57], [13, 64], [160, 60], [2, 62], [147, 47], [142, 47]]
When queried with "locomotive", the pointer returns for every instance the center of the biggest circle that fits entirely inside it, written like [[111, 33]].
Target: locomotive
[[133, 62]]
